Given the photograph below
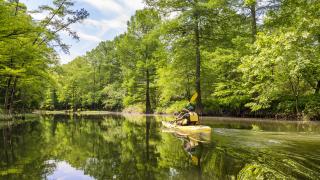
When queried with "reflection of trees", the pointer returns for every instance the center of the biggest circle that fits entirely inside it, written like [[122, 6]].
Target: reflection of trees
[[21, 152], [138, 155], [187, 156], [219, 164], [113, 147]]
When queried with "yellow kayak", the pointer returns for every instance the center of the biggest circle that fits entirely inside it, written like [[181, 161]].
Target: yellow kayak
[[198, 133], [191, 129]]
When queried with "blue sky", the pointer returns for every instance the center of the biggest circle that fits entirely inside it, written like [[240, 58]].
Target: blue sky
[[108, 18]]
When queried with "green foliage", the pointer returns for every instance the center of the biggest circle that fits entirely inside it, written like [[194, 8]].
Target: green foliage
[[250, 2], [284, 60], [114, 97], [312, 108], [246, 57], [155, 60], [27, 56]]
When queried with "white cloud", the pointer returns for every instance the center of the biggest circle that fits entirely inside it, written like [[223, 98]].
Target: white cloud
[[39, 16], [108, 18], [121, 9], [104, 26], [106, 5], [65, 58], [133, 4], [88, 37], [116, 6]]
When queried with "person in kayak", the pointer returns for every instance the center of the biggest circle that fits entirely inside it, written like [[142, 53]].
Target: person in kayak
[[186, 109], [190, 117]]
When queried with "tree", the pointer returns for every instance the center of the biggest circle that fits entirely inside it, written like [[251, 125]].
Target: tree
[[286, 55], [190, 13], [30, 51], [140, 43]]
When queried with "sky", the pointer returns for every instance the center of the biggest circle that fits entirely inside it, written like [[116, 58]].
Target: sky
[[108, 18]]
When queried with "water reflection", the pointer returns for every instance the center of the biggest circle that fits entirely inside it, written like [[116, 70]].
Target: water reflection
[[193, 144], [135, 147]]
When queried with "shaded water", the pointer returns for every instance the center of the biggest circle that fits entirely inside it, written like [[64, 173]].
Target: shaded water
[[137, 147]]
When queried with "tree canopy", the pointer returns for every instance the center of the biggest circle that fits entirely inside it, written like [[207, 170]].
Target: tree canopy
[[244, 58]]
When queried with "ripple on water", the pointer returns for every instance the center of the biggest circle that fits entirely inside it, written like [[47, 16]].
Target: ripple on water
[[294, 154]]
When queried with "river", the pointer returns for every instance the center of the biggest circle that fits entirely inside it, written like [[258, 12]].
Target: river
[[138, 147]]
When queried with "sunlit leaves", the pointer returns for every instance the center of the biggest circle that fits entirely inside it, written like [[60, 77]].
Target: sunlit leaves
[[283, 61]]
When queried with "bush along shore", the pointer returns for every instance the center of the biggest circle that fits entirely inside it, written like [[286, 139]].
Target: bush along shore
[[257, 115]]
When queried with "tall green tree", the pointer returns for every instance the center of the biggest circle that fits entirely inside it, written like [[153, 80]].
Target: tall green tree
[[191, 13], [140, 43]]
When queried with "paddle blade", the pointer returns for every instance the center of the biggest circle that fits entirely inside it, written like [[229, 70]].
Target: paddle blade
[[194, 98]]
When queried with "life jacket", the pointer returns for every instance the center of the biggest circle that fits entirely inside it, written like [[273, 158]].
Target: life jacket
[[193, 117]]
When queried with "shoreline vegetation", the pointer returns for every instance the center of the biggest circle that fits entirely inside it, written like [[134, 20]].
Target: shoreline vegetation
[[249, 58], [250, 116], [97, 113]]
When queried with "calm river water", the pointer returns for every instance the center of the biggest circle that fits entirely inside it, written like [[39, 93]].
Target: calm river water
[[137, 147]]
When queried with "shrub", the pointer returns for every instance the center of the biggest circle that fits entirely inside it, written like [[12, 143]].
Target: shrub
[[135, 108], [286, 107], [312, 109], [211, 106]]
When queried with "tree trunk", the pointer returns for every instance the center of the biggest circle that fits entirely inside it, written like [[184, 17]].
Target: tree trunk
[[74, 109], [297, 106], [198, 63], [297, 98], [99, 74], [318, 88], [12, 94], [6, 96], [7, 91], [17, 8], [253, 21], [318, 83], [188, 88], [94, 87], [148, 103]]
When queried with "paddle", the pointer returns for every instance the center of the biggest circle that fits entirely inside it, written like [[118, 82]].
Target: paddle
[[194, 98]]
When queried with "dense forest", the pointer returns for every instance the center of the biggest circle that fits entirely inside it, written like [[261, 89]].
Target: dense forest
[[242, 57]]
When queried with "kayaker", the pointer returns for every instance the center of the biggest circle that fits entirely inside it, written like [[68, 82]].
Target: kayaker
[[185, 110], [190, 117]]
